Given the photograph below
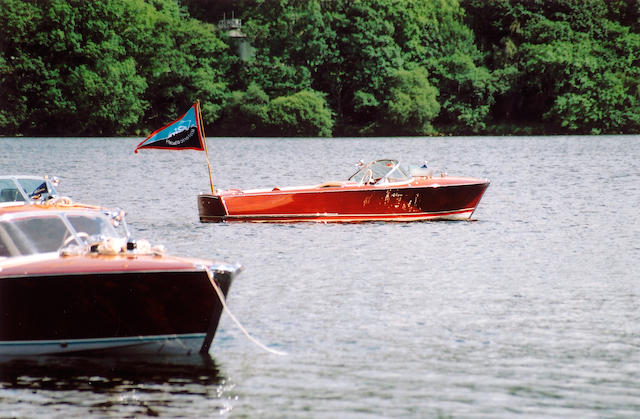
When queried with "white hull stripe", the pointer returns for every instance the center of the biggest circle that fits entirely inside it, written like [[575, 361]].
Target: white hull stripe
[[40, 347], [126, 340]]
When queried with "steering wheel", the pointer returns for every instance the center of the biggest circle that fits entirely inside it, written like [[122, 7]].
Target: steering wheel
[[368, 175], [69, 239]]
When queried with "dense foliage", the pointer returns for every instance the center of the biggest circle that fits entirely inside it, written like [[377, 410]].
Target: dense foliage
[[112, 67], [571, 65], [321, 67]]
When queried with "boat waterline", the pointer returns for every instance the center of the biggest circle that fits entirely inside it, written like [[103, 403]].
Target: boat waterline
[[163, 344], [460, 215]]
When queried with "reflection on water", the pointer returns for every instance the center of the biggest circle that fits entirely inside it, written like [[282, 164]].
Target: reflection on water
[[112, 384], [105, 373]]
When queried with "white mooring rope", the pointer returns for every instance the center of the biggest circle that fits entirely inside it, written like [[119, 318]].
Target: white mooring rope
[[224, 305]]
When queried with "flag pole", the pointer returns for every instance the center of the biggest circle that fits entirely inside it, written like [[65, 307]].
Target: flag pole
[[206, 151]]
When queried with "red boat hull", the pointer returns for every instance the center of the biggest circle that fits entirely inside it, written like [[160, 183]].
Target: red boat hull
[[421, 199]]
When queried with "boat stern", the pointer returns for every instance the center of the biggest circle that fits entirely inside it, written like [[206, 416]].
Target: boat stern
[[211, 208]]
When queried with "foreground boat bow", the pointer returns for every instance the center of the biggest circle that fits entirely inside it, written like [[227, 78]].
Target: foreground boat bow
[[69, 282]]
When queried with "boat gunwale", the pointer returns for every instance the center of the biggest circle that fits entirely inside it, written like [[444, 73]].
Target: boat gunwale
[[179, 264], [232, 193]]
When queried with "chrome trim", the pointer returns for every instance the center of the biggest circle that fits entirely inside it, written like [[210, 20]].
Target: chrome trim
[[223, 267]]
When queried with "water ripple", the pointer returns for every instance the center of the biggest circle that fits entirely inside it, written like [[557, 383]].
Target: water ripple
[[533, 310]]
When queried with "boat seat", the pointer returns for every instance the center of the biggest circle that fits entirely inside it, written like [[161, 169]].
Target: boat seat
[[331, 184]]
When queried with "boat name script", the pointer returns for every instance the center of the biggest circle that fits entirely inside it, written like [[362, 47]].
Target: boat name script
[[181, 137]]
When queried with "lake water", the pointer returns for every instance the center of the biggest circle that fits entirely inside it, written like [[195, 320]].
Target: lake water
[[530, 310]]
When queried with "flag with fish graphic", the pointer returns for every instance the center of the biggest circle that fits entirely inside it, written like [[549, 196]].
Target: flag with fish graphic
[[182, 134], [42, 189]]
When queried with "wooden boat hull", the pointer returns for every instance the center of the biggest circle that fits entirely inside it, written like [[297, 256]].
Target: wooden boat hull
[[434, 199], [80, 303]]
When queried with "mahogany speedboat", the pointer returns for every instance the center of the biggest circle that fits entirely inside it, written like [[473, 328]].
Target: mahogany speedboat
[[70, 281], [379, 191]]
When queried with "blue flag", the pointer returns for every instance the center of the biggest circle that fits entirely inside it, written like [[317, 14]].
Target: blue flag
[[42, 189], [183, 133]]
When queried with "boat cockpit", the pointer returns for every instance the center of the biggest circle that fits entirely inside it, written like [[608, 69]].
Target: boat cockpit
[[380, 172], [35, 232], [27, 189]]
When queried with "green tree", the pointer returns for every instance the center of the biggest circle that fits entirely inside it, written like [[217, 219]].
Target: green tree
[[277, 31], [433, 34], [411, 103], [468, 92], [303, 114], [352, 51], [181, 59], [368, 58], [594, 95], [570, 65], [114, 67], [64, 72], [245, 113], [341, 48]]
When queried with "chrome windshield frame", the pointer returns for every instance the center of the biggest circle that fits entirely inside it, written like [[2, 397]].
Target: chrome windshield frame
[[63, 216], [394, 167]]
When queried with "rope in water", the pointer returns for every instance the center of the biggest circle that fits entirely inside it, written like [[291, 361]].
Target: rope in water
[[235, 320]]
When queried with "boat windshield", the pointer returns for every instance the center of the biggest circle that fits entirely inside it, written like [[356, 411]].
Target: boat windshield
[[33, 233], [380, 171], [21, 189]]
